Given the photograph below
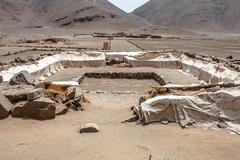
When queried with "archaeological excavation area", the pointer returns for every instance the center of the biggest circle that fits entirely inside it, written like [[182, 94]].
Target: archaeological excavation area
[[95, 104], [119, 79]]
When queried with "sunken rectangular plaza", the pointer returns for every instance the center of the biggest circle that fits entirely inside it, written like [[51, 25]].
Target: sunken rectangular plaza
[[119, 80]]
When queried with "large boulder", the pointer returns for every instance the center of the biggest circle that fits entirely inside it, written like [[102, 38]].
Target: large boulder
[[41, 109], [22, 77], [18, 93], [35, 94], [17, 110], [5, 107]]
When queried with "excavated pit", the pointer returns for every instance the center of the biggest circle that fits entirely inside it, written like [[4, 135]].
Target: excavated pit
[[172, 77], [120, 82], [117, 86]]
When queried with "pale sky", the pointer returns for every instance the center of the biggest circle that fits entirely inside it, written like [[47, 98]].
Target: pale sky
[[128, 5]]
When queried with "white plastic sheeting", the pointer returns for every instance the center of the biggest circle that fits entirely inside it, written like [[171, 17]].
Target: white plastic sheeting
[[65, 83], [209, 72], [201, 109], [123, 54], [206, 71], [50, 65], [166, 60]]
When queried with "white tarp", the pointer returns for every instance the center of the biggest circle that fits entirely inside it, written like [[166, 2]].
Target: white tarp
[[166, 60], [209, 72], [201, 109], [50, 65], [206, 71], [160, 57], [122, 54], [65, 83], [203, 70]]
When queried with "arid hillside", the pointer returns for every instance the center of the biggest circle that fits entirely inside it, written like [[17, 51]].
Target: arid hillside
[[71, 13], [205, 15]]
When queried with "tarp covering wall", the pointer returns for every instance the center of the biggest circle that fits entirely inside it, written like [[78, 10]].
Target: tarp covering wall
[[209, 72], [203, 70], [123, 54], [222, 107], [50, 65], [161, 61], [206, 71]]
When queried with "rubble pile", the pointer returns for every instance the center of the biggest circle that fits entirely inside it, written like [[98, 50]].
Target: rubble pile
[[125, 75], [213, 100], [25, 98], [126, 35], [44, 41]]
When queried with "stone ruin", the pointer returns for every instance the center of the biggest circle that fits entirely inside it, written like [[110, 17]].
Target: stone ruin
[[24, 93]]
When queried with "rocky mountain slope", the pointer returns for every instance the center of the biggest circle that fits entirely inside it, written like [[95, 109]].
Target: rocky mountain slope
[[66, 13], [205, 15]]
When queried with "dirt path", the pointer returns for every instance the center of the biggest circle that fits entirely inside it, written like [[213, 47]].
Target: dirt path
[[59, 139]]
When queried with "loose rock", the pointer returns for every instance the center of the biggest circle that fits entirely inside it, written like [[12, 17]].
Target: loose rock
[[17, 110], [73, 92], [61, 110], [34, 94], [19, 60], [5, 107], [1, 79], [55, 96], [18, 93], [22, 77], [222, 125], [229, 57], [132, 119], [41, 109], [75, 105], [38, 84], [164, 122], [89, 128]]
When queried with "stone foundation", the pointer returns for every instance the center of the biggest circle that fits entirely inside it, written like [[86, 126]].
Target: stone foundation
[[124, 75]]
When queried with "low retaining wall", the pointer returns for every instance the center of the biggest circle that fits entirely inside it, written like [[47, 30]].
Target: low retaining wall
[[209, 72], [123, 75], [50, 65], [157, 64]]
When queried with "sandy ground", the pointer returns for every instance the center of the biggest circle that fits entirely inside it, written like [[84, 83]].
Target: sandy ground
[[216, 47], [59, 139], [117, 85]]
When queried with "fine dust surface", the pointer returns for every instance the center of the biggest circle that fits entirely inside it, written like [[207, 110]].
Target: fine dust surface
[[59, 139], [121, 85]]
